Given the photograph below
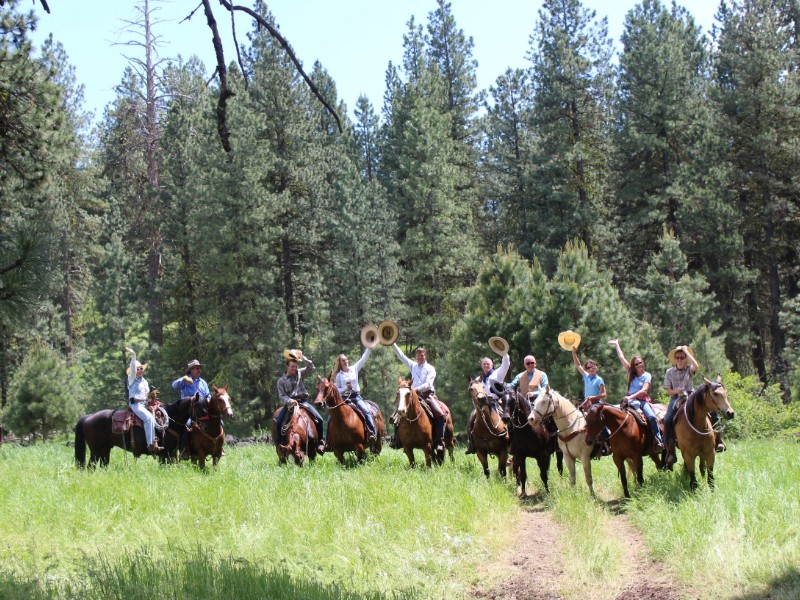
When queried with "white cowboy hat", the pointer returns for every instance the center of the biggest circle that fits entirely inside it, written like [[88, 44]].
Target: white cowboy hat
[[293, 354], [674, 351], [138, 364], [388, 332], [369, 336], [498, 345], [569, 340]]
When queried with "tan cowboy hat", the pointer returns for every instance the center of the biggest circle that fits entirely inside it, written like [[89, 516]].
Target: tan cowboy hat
[[369, 336], [498, 345], [569, 340], [138, 364], [674, 351], [293, 354], [192, 364], [388, 332]]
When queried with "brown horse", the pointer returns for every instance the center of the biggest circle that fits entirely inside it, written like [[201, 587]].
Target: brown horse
[[489, 434], [630, 440], [206, 436], [415, 427], [693, 430], [346, 431], [301, 436]]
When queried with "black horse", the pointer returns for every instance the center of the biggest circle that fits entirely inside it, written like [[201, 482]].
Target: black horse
[[529, 441], [94, 430]]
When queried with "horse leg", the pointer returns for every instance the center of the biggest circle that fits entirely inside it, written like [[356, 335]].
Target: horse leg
[[427, 450], [105, 456], [710, 456], [409, 451], [570, 468], [339, 454], [544, 467], [586, 461], [521, 472], [623, 476], [481, 454], [638, 465], [702, 465], [502, 460], [560, 462], [360, 453], [688, 463]]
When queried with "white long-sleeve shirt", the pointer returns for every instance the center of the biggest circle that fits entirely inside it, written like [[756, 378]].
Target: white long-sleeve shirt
[[422, 376], [498, 374], [138, 388], [351, 375]]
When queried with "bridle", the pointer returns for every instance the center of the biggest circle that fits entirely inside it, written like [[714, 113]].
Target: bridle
[[551, 409], [330, 391], [598, 408], [712, 431], [518, 399], [492, 429], [411, 394]]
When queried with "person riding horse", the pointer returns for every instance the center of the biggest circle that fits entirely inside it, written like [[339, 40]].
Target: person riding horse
[[594, 388], [189, 386], [138, 391], [292, 391], [422, 377], [489, 376], [531, 381], [345, 378]]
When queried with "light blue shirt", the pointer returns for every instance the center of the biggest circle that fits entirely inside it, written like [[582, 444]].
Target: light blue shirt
[[543, 385], [139, 389], [637, 383], [591, 385], [188, 390]]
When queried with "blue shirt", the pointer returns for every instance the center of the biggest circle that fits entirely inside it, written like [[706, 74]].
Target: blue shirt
[[188, 390], [591, 385], [543, 385], [637, 383]]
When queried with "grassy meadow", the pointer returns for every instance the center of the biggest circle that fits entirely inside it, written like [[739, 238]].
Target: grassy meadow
[[252, 529]]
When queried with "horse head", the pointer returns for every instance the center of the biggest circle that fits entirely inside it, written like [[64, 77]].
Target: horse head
[[543, 406], [718, 396], [477, 392], [326, 391], [221, 401], [403, 396], [595, 421]]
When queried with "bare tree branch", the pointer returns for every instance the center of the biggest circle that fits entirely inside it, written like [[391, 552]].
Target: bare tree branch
[[238, 51], [190, 15], [224, 91]]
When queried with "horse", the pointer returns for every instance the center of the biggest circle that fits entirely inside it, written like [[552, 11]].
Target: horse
[[490, 434], [95, 430], [527, 440], [206, 436], [415, 427], [630, 440], [179, 412], [301, 433], [346, 431], [693, 429], [571, 430]]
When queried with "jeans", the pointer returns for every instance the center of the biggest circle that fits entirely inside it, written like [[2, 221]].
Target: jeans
[[314, 415], [668, 418], [651, 416], [148, 420], [367, 412]]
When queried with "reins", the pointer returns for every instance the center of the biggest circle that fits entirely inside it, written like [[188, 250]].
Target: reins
[[419, 406], [490, 428]]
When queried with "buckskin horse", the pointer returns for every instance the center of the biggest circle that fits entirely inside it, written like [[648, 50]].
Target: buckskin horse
[[346, 430], [415, 426], [527, 440], [207, 436], [490, 434], [301, 436], [630, 439], [96, 430], [693, 429], [571, 430]]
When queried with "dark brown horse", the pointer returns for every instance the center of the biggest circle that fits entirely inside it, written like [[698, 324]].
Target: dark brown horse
[[489, 434], [694, 432], [207, 436], [301, 436], [415, 427], [528, 440], [630, 440], [346, 431]]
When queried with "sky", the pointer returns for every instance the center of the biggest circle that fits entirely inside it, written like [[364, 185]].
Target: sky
[[353, 39]]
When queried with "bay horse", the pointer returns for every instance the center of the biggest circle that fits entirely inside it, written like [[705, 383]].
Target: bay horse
[[179, 412], [630, 440], [415, 427], [95, 431], [302, 439], [527, 440], [206, 435], [346, 430], [693, 429], [489, 434], [571, 430]]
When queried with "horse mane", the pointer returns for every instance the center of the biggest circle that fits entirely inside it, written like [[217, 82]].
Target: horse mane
[[698, 396]]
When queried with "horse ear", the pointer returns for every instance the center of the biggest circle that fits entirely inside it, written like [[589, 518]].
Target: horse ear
[[216, 389], [319, 378], [719, 378], [469, 379], [400, 381], [707, 381], [548, 388]]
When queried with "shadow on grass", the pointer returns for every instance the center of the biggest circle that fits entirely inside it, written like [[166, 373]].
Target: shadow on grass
[[785, 587]]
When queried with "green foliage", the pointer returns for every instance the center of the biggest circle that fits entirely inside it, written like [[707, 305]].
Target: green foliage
[[760, 412]]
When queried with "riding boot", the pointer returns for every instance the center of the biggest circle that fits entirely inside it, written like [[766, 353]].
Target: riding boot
[[439, 434], [154, 448], [470, 444], [395, 442]]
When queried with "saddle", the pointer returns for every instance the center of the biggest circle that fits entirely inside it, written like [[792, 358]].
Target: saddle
[[427, 398], [123, 421], [311, 431], [373, 408]]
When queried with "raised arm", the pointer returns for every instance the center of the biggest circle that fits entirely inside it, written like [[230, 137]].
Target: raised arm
[[620, 355], [363, 360], [576, 361], [308, 369], [692, 360], [403, 358], [132, 367], [500, 372]]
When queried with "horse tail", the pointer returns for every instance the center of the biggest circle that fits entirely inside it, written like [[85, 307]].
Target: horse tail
[[80, 443]]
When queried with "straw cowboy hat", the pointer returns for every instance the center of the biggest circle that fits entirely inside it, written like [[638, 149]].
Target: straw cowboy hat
[[138, 364], [388, 332], [569, 340], [293, 354], [498, 345], [369, 336], [674, 351], [192, 364]]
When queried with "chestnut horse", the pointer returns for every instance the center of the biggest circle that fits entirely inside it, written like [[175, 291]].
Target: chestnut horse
[[415, 427], [206, 436], [527, 440], [571, 430], [694, 432], [630, 440], [301, 437], [346, 431], [490, 434]]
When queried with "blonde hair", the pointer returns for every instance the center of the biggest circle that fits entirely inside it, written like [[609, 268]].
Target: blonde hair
[[337, 366]]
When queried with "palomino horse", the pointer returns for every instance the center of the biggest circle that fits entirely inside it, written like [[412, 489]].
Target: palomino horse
[[415, 427], [346, 431], [527, 440], [207, 437], [571, 430], [490, 434], [630, 440], [301, 436], [693, 429]]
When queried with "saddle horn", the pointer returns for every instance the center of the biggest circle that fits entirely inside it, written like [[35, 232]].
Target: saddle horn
[[388, 332], [369, 336]]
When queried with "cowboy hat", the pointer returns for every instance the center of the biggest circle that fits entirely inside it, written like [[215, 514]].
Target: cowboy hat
[[192, 364], [138, 364], [293, 354], [674, 351], [388, 332], [569, 340], [369, 336], [498, 345]]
